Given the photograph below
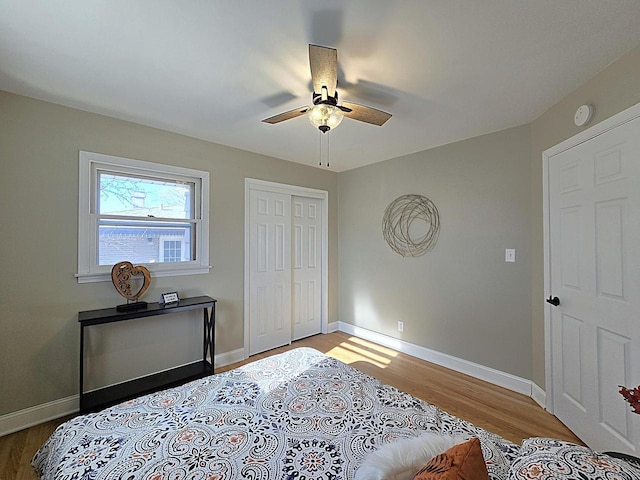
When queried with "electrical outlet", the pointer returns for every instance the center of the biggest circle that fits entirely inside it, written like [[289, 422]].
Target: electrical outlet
[[401, 326]]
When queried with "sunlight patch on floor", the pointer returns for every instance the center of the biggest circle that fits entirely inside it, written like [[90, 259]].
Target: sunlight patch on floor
[[358, 350], [349, 356], [373, 346], [365, 354]]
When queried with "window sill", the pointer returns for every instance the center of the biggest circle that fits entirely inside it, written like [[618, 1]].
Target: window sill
[[174, 272]]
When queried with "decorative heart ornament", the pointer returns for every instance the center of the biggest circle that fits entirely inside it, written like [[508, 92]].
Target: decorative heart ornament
[[121, 274]]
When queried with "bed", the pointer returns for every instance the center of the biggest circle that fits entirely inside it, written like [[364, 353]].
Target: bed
[[299, 414]]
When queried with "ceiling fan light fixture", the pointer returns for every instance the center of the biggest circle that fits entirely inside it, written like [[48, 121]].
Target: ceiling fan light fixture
[[322, 116]]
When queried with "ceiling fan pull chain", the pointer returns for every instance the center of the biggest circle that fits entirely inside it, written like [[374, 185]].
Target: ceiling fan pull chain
[[320, 151], [324, 149], [328, 149]]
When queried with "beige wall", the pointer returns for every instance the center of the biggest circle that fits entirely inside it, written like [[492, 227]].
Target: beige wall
[[39, 297], [461, 299], [611, 91]]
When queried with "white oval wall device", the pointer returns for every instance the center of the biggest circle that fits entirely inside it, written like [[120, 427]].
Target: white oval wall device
[[583, 115]]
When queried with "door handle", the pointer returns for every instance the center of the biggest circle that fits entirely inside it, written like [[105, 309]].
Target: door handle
[[555, 301]]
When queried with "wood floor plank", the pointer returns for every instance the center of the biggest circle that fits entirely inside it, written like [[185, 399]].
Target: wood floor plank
[[17, 450], [509, 414], [10, 450]]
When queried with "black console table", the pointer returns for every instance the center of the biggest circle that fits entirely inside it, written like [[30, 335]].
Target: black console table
[[103, 397]]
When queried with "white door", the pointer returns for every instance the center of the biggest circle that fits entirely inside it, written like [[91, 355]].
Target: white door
[[269, 271], [307, 266], [594, 253]]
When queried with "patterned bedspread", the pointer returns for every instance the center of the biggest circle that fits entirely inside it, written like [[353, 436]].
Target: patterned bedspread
[[300, 414]]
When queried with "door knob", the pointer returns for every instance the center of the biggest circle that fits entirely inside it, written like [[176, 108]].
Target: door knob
[[555, 301]]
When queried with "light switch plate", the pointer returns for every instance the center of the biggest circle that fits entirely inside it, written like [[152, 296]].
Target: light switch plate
[[510, 255]]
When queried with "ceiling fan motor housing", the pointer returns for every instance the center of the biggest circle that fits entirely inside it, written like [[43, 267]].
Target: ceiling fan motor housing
[[324, 98]]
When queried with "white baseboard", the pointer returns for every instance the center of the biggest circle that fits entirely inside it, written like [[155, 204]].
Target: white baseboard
[[539, 395], [15, 421], [228, 358], [503, 379], [333, 327], [31, 416]]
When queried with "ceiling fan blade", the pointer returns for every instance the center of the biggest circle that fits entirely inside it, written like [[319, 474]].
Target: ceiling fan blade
[[281, 117], [324, 68], [366, 114]]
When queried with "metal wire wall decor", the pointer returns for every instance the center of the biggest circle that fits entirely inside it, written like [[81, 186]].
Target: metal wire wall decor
[[397, 220]]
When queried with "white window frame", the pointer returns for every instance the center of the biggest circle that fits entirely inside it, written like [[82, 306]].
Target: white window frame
[[89, 164]]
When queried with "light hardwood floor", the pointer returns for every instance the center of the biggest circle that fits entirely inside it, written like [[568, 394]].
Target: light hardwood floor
[[512, 415]]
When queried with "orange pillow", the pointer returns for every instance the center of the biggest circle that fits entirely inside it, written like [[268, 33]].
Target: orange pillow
[[461, 462]]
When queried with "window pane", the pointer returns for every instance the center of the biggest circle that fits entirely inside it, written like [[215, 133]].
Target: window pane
[[144, 242], [172, 250], [144, 196]]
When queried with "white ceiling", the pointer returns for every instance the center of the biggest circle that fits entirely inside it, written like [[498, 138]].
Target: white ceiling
[[213, 69]]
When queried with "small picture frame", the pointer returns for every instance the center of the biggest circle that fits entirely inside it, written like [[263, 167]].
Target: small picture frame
[[170, 298]]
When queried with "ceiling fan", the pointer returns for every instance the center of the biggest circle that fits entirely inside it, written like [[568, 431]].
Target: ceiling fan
[[325, 113]]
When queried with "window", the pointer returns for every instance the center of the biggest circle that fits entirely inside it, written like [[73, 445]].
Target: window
[[142, 212], [172, 250]]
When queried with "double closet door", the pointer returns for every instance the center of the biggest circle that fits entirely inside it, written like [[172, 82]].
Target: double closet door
[[284, 268]]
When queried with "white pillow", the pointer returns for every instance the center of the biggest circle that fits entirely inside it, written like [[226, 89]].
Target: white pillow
[[400, 460]]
